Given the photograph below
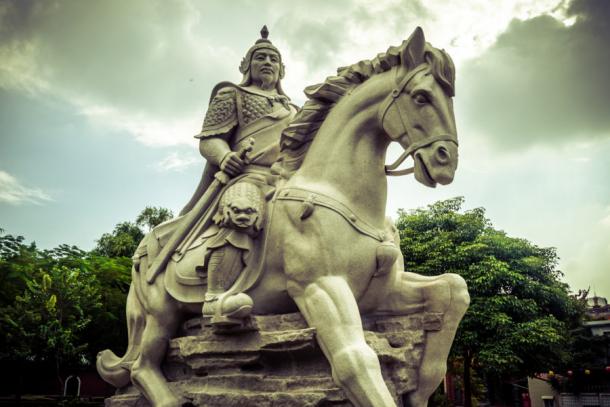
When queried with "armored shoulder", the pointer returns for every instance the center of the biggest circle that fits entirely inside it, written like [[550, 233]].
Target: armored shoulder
[[221, 116]]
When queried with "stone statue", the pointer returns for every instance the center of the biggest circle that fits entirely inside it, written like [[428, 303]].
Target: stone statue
[[290, 217]]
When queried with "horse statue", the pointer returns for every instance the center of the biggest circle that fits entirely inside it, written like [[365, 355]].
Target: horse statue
[[329, 250]]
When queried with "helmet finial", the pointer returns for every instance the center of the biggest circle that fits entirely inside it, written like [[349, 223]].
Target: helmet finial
[[264, 32]]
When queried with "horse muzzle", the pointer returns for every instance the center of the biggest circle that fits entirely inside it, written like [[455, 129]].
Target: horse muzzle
[[436, 163]]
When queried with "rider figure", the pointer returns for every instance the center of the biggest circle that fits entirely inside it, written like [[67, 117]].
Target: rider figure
[[246, 117]]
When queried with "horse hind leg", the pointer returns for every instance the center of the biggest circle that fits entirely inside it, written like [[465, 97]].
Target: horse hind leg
[[161, 324], [328, 305], [116, 370]]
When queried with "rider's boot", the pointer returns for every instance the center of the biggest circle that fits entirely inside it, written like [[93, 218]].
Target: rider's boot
[[217, 283], [231, 310], [224, 310]]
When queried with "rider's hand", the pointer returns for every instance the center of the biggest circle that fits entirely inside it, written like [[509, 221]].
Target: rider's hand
[[232, 165]]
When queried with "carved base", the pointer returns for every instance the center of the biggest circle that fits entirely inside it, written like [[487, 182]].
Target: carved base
[[275, 361]]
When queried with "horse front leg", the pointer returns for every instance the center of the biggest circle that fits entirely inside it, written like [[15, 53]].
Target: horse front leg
[[328, 305], [161, 323], [446, 293]]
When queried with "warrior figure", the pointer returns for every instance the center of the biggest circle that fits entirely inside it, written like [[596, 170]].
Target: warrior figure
[[245, 118]]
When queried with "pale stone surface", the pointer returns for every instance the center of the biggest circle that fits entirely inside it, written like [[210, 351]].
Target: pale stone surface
[[290, 217], [280, 363]]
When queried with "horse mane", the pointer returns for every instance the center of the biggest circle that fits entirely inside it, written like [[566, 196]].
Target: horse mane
[[297, 137]]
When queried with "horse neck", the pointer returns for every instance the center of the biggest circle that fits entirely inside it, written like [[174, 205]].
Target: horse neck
[[347, 157]]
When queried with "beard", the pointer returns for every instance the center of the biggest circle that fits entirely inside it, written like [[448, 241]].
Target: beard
[[266, 80]]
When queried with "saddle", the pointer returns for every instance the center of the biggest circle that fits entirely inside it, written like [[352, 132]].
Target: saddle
[[184, 277]]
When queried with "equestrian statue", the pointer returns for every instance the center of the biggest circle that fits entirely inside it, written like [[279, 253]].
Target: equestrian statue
[[289, 217]]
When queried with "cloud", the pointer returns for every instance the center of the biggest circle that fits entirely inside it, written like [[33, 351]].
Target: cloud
[[140, 60], [586, 265], [147, 66], [605, 221], [14, 193], [176, 162], [544, 81]]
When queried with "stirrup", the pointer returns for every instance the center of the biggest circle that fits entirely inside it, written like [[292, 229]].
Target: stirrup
[[209, 307]]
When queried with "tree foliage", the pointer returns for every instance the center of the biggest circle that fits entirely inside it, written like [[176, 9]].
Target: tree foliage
[[60, 305], [520, 311], [126, 236], [65, 304], [122, 242], [152, 216], [17, 262], [45, 321]]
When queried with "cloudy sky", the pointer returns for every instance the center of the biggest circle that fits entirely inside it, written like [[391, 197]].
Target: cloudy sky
[[99, 101]]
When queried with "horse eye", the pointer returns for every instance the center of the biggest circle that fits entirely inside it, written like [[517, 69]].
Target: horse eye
[[421, 98]]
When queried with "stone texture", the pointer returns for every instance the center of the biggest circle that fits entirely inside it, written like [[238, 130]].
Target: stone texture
[[327, 248], [275, 361]]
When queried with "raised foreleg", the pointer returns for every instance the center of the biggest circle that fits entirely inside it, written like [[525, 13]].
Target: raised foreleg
[[328, 305], [446, 293]]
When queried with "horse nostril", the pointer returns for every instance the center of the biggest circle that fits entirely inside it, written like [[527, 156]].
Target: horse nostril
[[442, 155]]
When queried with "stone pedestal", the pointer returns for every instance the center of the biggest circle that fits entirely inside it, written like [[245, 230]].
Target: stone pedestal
[[276, 361]]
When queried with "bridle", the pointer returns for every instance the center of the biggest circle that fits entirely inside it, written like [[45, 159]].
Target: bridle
[[383, 110]]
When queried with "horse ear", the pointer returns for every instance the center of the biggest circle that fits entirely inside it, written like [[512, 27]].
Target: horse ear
[[413, 53]]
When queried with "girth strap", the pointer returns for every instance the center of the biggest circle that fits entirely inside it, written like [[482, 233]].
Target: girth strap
[[309, 198]]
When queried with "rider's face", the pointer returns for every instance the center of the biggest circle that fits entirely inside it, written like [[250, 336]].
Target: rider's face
[[265, 68]]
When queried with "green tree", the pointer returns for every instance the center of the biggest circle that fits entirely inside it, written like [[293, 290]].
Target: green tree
[[60, 306], [17, 263], [520, 312], [122, 242], [113, 275], [45, 321], [152, 216], [109, 327], [126, 236]]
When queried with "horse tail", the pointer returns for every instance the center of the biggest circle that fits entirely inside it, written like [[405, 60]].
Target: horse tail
[[117, 370]]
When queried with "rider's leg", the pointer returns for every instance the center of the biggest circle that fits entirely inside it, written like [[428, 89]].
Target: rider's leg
[[328, 305], [224, 267], [215, 285]]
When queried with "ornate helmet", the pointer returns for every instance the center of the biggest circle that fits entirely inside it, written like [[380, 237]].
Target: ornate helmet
[[261, 43]]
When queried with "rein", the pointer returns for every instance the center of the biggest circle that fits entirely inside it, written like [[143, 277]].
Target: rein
[[383, 110]]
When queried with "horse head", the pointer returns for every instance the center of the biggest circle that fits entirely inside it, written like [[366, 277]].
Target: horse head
[[418, 112]]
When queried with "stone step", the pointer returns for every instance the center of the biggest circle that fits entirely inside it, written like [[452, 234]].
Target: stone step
[[276, 361]]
